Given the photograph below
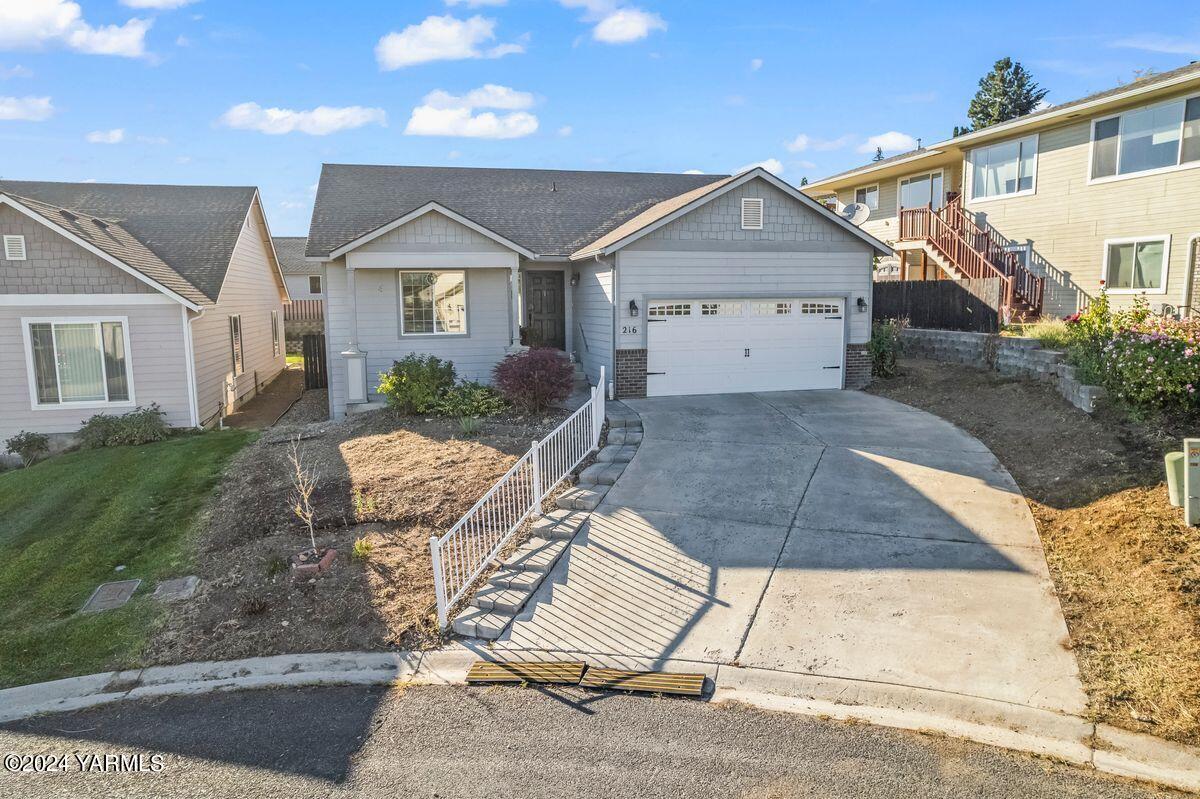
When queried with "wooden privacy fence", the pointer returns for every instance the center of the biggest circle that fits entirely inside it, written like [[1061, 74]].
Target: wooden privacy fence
[[304, 311], [942, 304], [316, 375]]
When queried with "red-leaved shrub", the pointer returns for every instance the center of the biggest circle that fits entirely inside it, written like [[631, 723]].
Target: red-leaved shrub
[[535, 379]]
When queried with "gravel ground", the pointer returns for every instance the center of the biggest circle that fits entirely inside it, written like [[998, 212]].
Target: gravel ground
[[517, 742]]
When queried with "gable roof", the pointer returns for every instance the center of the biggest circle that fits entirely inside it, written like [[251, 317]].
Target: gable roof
[[190, 229], [290, 250], [546, 211], [112, 243], [1150, 84], [668, 210]]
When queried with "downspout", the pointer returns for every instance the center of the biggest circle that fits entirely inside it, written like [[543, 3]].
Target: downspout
[[616, 304], [190, 363], [1186, 300]]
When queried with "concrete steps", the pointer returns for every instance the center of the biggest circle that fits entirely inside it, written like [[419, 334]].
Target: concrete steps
[[604, 474], [616, 453], [582, 498]]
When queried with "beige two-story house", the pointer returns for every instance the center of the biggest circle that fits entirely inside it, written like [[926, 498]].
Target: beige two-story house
[[1101, 189]]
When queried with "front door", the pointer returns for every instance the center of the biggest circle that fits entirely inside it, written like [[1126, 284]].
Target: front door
[[545, 317]]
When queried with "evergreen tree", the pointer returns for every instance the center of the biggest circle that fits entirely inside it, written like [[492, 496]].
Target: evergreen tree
[[804, 181], [1005, 93], [878, 154]]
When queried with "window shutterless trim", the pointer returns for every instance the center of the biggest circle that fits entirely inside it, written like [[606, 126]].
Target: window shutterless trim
[[34, 404], [1162, 170], [1166, 241], [867, 188], [466, 331], [940, 171], [969, 182]]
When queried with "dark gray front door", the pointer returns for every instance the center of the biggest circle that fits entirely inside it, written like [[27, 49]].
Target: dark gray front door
[[545, 317]]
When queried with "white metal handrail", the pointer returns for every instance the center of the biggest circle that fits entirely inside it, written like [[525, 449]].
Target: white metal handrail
[[474, 542]]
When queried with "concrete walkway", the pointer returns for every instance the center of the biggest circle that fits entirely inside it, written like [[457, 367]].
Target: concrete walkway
[[827, 533]]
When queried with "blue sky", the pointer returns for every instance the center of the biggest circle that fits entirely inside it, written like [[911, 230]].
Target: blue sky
[[228, 91]]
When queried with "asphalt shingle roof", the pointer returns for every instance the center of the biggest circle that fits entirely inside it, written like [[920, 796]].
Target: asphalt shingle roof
[[550, 212], [290, 250], [191, 229]]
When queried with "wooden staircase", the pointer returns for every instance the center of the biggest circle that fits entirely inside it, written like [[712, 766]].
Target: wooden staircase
[[959, 242]]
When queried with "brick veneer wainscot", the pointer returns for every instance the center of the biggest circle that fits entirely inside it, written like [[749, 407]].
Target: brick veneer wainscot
[[630, 371], [858, 366]]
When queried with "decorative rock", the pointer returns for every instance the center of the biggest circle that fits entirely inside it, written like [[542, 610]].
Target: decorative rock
[[177, 589], [302, 568]]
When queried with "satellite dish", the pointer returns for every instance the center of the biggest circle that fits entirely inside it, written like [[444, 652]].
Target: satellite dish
[[856, 213]]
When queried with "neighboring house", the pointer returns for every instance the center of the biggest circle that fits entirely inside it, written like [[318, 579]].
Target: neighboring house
[[306, 286], [675, 284], [1105, 188], [119, 296]]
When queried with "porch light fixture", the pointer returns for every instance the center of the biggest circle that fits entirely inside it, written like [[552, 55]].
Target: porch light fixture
[[574, 279], [862, 304], [633, 309]]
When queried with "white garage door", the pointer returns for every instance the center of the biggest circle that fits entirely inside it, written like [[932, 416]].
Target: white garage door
[[727, 346]]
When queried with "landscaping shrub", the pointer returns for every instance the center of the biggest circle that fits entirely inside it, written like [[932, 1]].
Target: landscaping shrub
[[885, 345], [416, 383], [28, 446], [470, 399], [140, 426], [535, 379], [1154, 364]]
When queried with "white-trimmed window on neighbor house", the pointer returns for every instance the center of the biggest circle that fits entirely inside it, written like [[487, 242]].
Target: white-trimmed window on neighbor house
[[919, 191], [433, 303], [1136, 265], [79, 361], [1155, 138], [868, 196], [314, 284], [235, 344], [1005, 169], [275, 333]]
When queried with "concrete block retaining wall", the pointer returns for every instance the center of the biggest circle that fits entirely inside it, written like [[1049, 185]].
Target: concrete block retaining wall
[[1020, 357]]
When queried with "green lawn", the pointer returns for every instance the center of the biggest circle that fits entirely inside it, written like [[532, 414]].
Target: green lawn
[[68, 522], [294, 360]]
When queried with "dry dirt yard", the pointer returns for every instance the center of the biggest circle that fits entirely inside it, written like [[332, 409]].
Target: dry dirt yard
[[388, 479], [1126, 568]]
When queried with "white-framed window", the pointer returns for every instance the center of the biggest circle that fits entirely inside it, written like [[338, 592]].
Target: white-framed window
[[81, 361], [661, 309], [1156, 138], [235, 344], [818, 308], [1137, 265], [752, 213], [14, 248], [275, 333], [314, 284], [868, 196], [918, 191], [720, 309], [1007, 169], [433, 303], [771, 308]]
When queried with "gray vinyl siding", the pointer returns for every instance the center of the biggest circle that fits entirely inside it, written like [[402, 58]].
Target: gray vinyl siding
[[593, 318], [433, 232], [378, 307], [298, 285], [251, 289], [156, 355], [706, 253]]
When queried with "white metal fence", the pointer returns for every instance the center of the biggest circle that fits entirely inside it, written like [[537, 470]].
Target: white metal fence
[[461, 555]]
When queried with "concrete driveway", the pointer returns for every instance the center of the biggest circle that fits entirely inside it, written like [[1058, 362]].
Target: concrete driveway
[[832, 533]]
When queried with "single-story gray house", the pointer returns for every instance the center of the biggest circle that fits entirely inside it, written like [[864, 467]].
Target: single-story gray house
[[304, 278], [676, 284], [116, 296]]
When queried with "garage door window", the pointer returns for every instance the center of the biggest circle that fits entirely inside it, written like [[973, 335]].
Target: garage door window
[[818, 308], [670, 309], [720, 309], [772, 308]]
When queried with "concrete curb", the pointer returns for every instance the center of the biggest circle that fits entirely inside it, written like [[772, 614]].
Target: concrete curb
[[1018, 727]]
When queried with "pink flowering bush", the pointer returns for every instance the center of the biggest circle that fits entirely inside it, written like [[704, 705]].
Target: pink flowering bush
[[1154, 363]]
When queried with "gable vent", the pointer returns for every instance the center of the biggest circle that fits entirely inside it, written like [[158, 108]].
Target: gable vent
[[14, 248], [752, 213]]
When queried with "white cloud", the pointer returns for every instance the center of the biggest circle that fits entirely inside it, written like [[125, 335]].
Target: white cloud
[[34, 24], [756, 64], [441, 39], [565, 130], [617, 23], [693, 172], [772, 165], [161, 5], [1161, 43], [16, 71], [476, 3], [804, 142], [891, 142], [320, 121], [26, 109], [445, 114], [292, 204], [182, 41], [114, 136]]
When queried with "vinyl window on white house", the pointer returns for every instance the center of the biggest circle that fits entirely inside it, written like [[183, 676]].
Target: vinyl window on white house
[[79, 361], [1007, 168], [1154, 138], [314, 284], [433, 303], [1132, 265], [235, 344], [275, 333], [919, 191], [868, 196]]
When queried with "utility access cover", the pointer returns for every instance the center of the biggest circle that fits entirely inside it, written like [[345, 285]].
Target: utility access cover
[[108, 596]]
